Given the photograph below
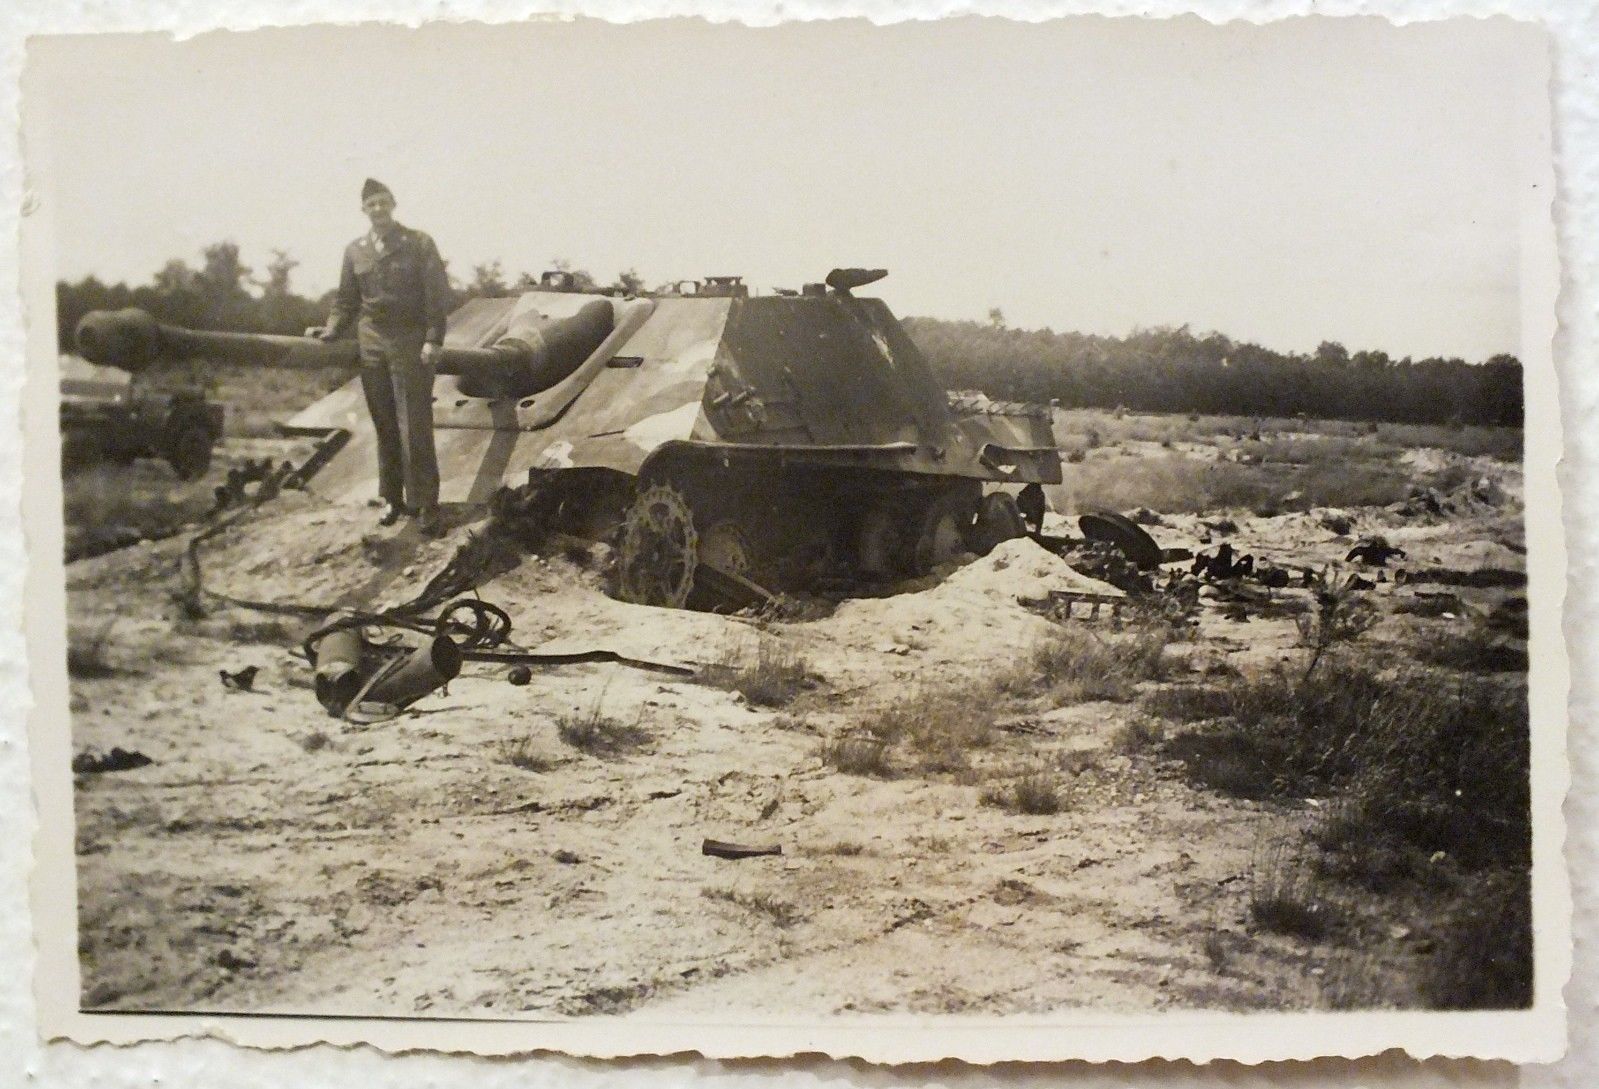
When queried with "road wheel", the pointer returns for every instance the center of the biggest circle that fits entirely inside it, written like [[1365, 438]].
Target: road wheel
[[189, 451], [725, 547], [658, 550], [944, 527], [998, 520], [881, 548]]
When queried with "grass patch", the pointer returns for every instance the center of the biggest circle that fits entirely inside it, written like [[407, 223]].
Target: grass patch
[[88, 651], [1286, 898], [1428, 773], [241, 630], [856, 754], [598, 734], [1036, 793], [940, 728], [1138, 735], [1429, 606], [1075, 665], [780, 913], [526, 754], [1472, 652], [1188, 702], [772, 678], [1441, 760], [1484, 960]]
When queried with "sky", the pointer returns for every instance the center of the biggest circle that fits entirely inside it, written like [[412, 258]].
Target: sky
[[1305, 181]]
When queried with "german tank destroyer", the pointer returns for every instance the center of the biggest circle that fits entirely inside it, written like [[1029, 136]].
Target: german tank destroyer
[[725, 441]]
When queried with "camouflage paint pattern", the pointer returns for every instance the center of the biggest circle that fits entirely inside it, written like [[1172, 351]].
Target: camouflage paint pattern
[[828, 380]]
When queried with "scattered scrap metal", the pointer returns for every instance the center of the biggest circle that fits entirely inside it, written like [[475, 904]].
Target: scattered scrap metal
[[118, 759], [1118, 549]]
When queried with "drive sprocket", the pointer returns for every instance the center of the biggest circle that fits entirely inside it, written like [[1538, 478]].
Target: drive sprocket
[[658, 550]]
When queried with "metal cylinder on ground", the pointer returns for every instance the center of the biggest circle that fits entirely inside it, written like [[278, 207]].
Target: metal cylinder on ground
[[429, 667], [337, 659]]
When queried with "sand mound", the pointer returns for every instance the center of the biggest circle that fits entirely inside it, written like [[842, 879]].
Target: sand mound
[[1019, 568]]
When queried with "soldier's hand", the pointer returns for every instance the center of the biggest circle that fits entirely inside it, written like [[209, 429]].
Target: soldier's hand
[[318, 332], [431, 353]]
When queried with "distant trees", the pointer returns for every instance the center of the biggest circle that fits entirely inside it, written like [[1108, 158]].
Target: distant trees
[[219, 294], [1175, 370]]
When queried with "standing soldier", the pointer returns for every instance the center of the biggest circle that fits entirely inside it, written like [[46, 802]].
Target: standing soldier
[[393, 289]]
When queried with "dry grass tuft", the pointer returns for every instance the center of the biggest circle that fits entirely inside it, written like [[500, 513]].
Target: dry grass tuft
[[780, 913], [772, 678], [1076, 665], [598, 734], [1036, 793], [1138, 735], [88, 651], [526, 754], [856, 754], [1285, 897]]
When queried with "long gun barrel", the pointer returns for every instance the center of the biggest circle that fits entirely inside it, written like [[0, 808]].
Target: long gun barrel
[[515, 366]]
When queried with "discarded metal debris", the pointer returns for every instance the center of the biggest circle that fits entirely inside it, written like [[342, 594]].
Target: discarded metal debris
[[719, 849], [118, 759], [1079, 605], [1127, 536], [242, 680], [1375, 551]]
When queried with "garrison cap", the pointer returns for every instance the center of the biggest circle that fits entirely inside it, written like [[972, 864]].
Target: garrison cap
[[373, 187]]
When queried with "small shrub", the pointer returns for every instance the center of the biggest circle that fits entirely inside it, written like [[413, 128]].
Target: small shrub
[[1139, 734], [856, 754], [315, 741], [1342, 614], [597, 734], [775, 675], [1036, 793]]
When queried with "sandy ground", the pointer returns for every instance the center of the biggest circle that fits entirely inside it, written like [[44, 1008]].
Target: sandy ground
[[273, 858]]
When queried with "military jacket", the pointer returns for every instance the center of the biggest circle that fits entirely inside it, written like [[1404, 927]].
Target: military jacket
[[400, 286]]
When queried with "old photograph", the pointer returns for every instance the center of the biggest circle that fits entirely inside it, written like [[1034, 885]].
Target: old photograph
[[577, 529]]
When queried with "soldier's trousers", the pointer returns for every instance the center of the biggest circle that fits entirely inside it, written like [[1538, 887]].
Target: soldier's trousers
[[399, 396]]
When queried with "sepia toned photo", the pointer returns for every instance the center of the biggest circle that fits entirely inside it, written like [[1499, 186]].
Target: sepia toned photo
[[970, 538]]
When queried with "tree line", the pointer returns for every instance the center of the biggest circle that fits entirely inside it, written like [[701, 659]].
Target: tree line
[[1177, 370], [1150, 370]]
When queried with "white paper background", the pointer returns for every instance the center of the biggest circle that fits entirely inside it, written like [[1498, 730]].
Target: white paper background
[[1574, 29]]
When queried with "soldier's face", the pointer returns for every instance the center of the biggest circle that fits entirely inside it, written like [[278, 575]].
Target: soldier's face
[[379, 208]]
